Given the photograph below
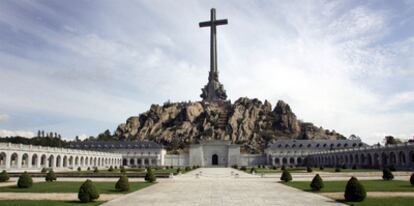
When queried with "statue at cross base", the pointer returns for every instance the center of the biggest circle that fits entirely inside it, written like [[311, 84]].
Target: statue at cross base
[[214, 90]]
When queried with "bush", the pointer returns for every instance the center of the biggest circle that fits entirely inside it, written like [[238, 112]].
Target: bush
[[286, 177], [25, 181], [253, 169], [123, 184], [111, 169], [122, 168], [392, 168], [354, 167], [194, 167], [88, 192], [387, 174], [235, 167], [309, 169], [79, 169], [150, 177], [354, 191], [317, 183], [44, 170], [50, 176], [95, 170], [283, 167], [178, 170], [321, 168], [89, 169], [344, 167], [243, 168], [411, 179], [116, 167], [4, 176], [187, 168], [337, 169], [274, 168]]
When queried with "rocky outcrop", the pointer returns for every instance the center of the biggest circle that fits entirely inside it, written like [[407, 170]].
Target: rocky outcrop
[[248, 122]]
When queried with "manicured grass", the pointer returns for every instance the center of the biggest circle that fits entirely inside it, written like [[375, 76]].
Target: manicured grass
[[72, 187], [44, 203], [370, 185], [388, 201], [278, 170], [347, 170]]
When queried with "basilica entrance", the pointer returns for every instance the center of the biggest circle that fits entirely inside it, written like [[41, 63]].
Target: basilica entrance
[[214, 159]]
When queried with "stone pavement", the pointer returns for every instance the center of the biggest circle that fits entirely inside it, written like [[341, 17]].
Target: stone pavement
[[219, 186]]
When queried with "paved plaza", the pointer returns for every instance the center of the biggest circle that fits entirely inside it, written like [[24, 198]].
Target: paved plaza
[[220, 186]]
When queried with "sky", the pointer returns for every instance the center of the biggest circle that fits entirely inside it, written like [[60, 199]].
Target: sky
[[83, 66]]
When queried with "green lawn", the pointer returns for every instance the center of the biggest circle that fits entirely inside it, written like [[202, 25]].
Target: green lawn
[[44, 203], [72, 187], [370, 185], [347, 170], [388, 201]]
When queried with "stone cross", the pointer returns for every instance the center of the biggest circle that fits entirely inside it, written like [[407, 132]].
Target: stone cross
[[213, 42]]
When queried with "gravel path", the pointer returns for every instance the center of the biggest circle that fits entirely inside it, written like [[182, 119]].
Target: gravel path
[[51, 196]]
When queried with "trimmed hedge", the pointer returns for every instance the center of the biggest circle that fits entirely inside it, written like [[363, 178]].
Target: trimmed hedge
[[387, 174], [123, 184], [412, 179], [25, 181], [50, 176], [308, 169], [88, 192], [4, 176], [150, 177], [286, 177], [317, 183], [354, 191]]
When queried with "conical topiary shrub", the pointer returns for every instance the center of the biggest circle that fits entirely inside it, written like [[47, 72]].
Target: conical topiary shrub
[[96, 170], [50, 176], [150, 177], [354, 191], [4, 176], [25, 181], [253, 170], [387, 174], [317, 183], [122, 169], [123, 184], [88, 192], [283, 167], [412, 179], [308, 169], [286, 177], [111, 169]]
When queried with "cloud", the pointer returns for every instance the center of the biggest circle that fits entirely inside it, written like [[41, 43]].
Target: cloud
[[10, 133], [342, 65], [4, 118]]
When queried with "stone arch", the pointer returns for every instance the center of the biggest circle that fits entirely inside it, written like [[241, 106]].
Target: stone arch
[[65, 161], [35, 160], [393, 159], [291, 160], [125, 162], [14, 160], [376, 160], [87, 161], [132, 162], [351, 159], [411, 155], [58, 161], [51, 161], [384, 159], [82, 159], [71, 161], [356, 159], [3, 158], [43, 160], [284, 160], [25, 160], [77, 161], [299, 160], [401, 158], [363, 162]]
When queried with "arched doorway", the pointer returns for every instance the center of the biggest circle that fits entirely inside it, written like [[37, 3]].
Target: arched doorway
[[214, 159]]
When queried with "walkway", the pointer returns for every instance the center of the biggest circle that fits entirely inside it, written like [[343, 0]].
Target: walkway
[[219, 186]]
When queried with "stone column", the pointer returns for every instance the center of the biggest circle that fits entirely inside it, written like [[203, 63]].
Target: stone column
[[8, 160]]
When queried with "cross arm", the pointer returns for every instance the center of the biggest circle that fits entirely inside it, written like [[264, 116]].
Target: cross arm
[[217, 22]]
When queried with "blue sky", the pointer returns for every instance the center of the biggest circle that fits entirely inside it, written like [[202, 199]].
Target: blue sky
[[80, 67]]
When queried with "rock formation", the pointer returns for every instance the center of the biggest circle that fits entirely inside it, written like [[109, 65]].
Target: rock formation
[[248, 122]]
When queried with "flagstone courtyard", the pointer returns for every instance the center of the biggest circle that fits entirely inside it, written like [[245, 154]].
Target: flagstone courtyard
[[220, 186]]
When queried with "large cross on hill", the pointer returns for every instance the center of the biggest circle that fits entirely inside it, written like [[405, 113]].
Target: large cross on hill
[[213, 42]]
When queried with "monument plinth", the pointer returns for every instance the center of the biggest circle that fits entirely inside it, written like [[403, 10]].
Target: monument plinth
[[214, 90]]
